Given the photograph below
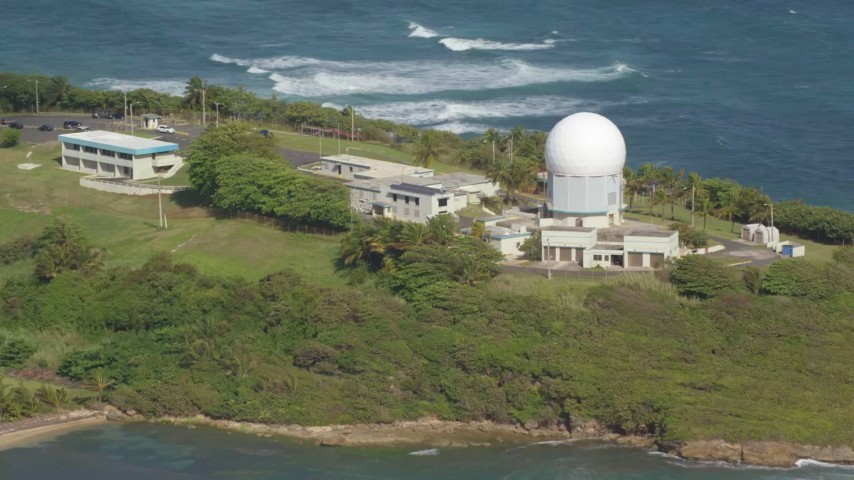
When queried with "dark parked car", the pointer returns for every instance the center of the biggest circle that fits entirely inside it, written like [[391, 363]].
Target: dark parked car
[[264, 132], [46, 128], [70, 124], [17, 125]]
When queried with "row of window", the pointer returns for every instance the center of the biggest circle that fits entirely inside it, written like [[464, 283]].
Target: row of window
[[600, 258], [406, 199], [103, 153], [415, 212]]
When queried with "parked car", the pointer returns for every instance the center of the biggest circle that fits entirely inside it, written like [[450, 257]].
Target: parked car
[[164, 129], [70, 124], [5, 121], [16, 124], [82, 128], [264, 132], [46, 128]]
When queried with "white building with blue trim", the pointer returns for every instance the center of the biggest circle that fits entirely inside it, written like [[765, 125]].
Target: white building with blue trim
[[110, 154]]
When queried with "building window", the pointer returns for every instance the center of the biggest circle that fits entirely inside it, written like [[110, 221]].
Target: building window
[[416, 201], [597, 258], [373, 195], [607, 258], [351, 169], [394, 197], [74, 147], [90, 149], [443, 202], [125, 156], [406, 199], [417, 213], [406, 212]]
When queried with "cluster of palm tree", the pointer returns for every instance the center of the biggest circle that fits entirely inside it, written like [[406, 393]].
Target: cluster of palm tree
[[654, 186], [21, 402], [378, 245]]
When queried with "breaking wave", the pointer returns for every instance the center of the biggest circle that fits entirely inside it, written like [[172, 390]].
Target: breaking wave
[[425, 453], [463, 44], [420, 31], [172, 87], [311, 77], [254, 69], [431, 112], [461, 127]]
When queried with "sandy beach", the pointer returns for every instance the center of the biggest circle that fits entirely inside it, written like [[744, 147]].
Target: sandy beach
[[30, 430]]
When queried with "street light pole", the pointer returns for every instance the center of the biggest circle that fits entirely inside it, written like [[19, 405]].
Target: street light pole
[[204, 113], [693, 189], [352, 123], [131, 118], [37, 94], [217, 113]]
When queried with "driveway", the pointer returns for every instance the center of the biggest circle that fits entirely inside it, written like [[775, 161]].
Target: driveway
[[31, 134], [755, 254]]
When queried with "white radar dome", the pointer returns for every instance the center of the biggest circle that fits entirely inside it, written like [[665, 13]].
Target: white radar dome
[[586, 145]]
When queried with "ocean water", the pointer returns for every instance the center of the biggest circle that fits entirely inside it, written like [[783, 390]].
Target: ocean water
[[144, 452], [758, 91]]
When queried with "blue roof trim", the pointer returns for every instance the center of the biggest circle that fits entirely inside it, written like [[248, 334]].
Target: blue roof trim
[[168, 147]]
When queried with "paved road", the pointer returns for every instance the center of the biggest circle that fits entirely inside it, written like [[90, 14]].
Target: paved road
[[755, 254]]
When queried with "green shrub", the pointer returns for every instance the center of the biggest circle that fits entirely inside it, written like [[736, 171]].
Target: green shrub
[[10, 138], [15, 352], [701, 276]]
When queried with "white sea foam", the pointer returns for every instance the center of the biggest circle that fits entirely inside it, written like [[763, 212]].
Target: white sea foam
[[272, 63], [317, 78], [420, 31], [793, 12], [172, 87], [464, 44], [460, 127], [808, 462], [425, 453], [254, 69]]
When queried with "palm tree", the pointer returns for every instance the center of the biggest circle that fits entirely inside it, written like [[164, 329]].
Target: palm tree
[[649, 176], [99, 382], [633, 184], [57, 91], [728, 206], [705, 208], [415, 234], [698, 189], [478, 230], [493, 137], [753, 277], [428, 149], [193, 92], [56, 397], [660, 197], [492, 204]]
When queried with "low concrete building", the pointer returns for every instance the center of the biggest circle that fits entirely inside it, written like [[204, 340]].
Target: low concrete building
[[591, 247], [110, 154], [416, 199], [150, 120], [351, 167]]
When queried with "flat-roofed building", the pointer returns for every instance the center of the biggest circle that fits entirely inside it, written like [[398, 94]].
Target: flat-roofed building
[[417, 199], [352, 167], [110, 154]]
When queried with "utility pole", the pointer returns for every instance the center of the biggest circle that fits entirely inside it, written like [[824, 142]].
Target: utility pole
[[693, 190], [352, 123], [131, 118], [160, 200], [204, 113], [125, 115], [37, 94], [217, 113]]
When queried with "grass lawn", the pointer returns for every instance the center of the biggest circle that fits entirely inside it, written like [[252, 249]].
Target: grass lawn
[[127, 226]]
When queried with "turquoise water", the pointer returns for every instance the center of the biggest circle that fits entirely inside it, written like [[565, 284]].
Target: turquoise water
[[131, 452], [759, 91]]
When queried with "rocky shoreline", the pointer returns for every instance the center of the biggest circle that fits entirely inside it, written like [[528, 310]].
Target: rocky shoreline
[[434, 433]]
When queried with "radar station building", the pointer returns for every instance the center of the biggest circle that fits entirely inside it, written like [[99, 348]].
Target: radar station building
[[582, 219]]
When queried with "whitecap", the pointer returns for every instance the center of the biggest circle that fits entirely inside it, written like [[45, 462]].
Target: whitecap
[[420, 31], [464, 44], [321, 78], [254, 69], [808, 462], [460, 127], [272, 63], [172, 87], [425, 453], [793, 12]]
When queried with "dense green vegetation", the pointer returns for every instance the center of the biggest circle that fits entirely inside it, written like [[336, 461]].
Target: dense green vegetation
[[236, 168], [630, 353]]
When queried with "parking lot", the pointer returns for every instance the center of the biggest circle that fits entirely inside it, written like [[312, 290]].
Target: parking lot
[[183, 135]]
